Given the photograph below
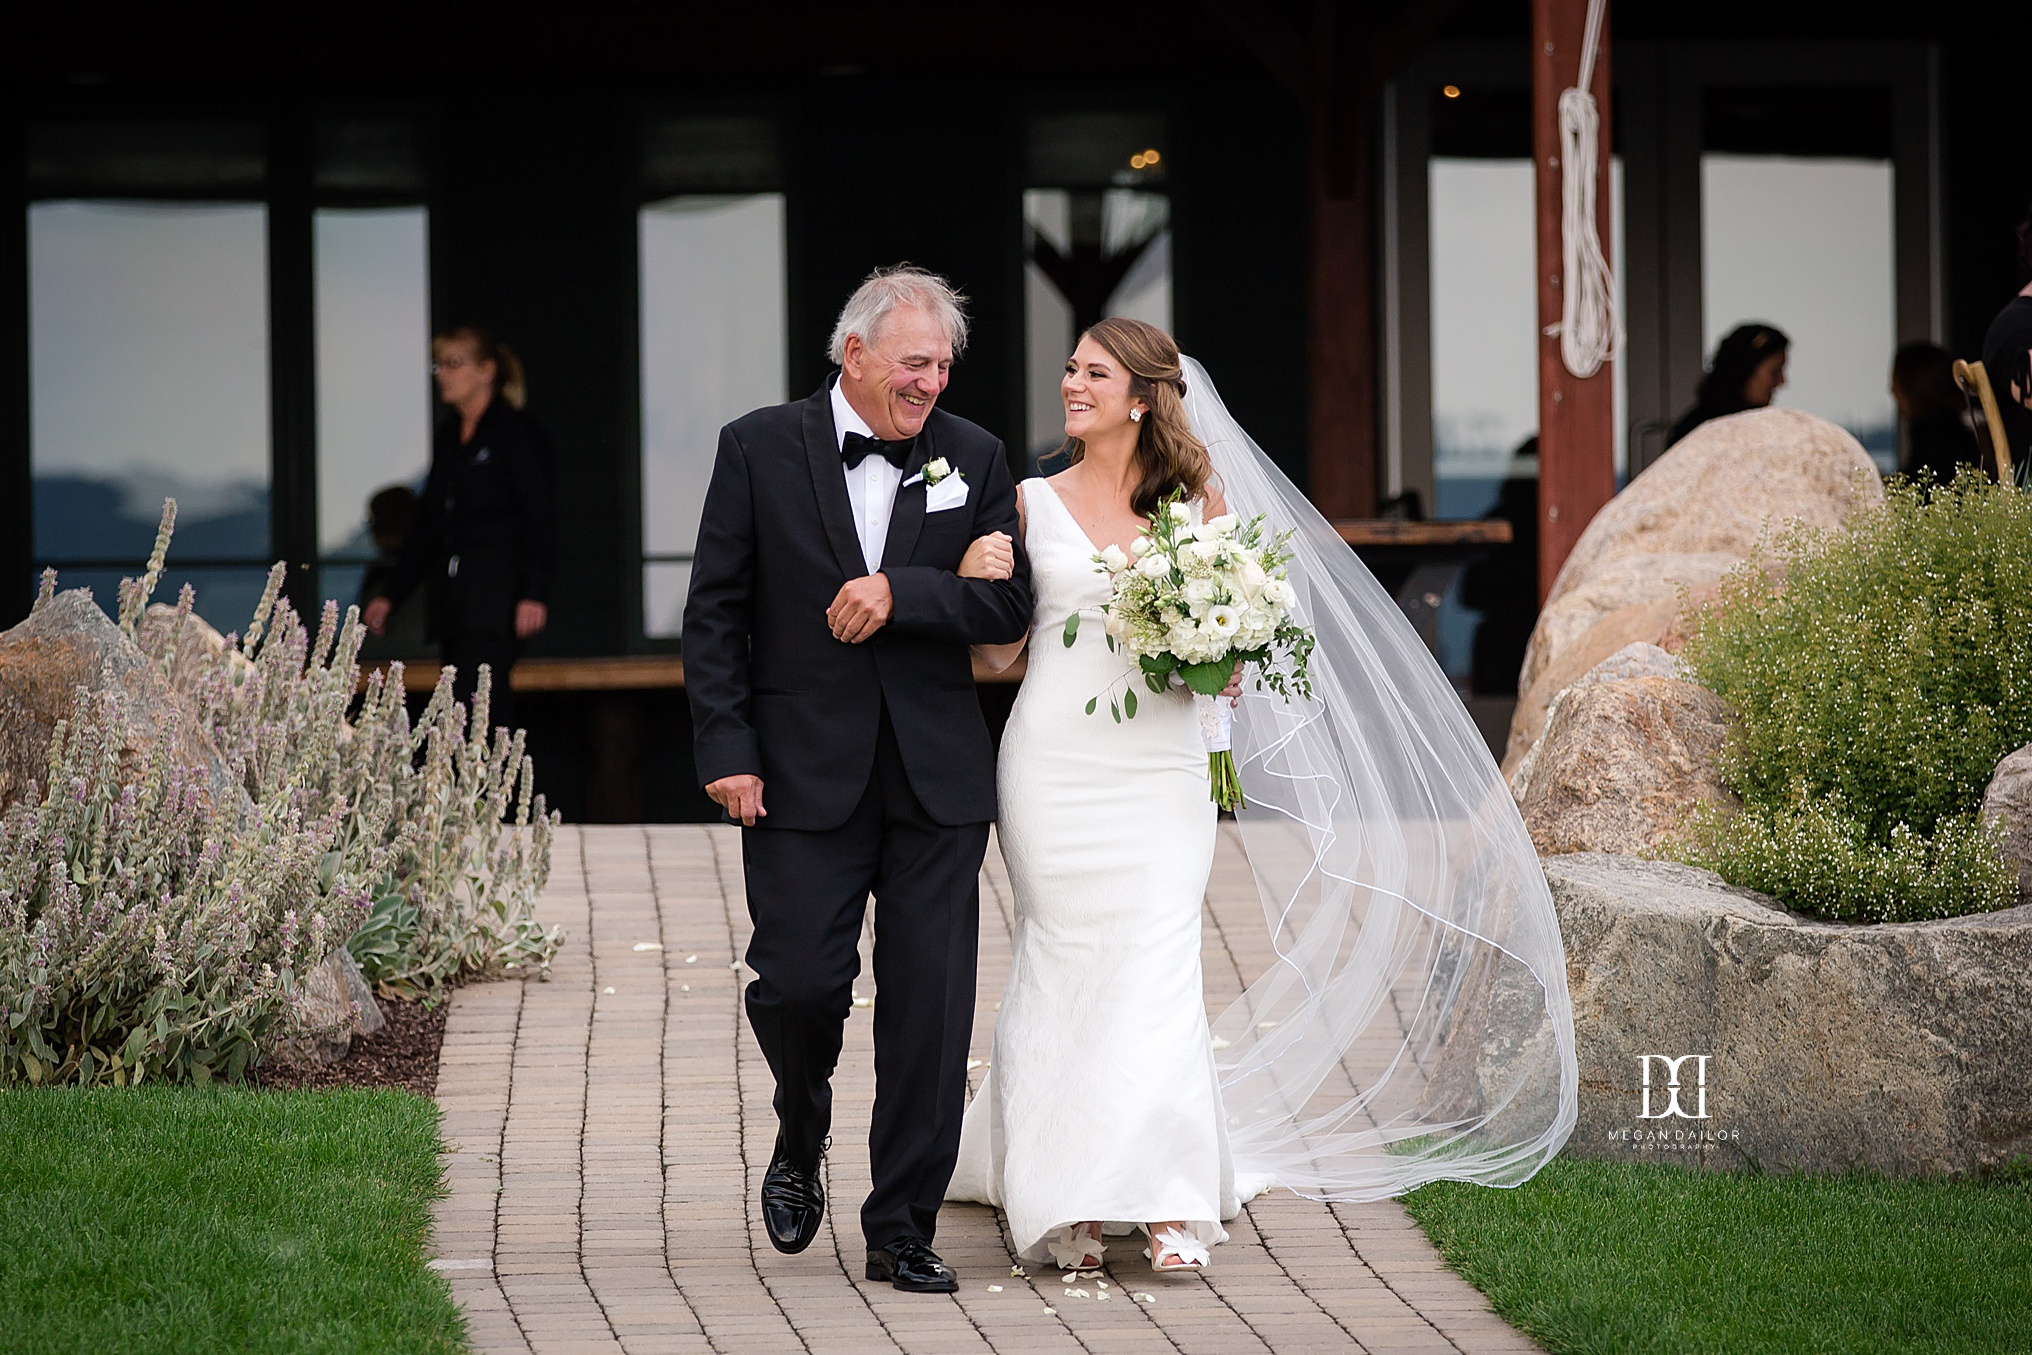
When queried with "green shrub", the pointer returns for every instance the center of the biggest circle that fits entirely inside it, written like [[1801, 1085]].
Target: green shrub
[[1876, 676]]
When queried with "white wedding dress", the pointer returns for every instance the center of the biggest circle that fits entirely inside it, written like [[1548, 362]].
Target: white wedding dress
[[1102, 1101]]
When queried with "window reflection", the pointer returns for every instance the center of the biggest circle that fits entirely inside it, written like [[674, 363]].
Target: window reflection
[[374, 399], [1806, 244], [714, 347], [148, 358]]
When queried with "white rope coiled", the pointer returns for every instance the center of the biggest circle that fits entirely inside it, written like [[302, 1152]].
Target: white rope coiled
[[1590, 331]]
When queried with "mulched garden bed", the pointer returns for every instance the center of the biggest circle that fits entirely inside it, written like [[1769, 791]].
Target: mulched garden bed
[[403, 1053]]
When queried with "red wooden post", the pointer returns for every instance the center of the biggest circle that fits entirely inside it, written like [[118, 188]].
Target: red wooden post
[[1576, 418]]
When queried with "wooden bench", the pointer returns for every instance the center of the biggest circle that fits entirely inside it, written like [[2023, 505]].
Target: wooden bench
[[1381, 541]]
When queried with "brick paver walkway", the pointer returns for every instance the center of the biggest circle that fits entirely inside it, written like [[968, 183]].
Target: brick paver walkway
[[608, 1129]]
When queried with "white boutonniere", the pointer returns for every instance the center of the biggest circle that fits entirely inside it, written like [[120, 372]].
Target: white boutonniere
[[935, 470]]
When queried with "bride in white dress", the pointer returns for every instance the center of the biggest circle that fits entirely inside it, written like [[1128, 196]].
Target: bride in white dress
[[1102, 1106], [1414, 1022]]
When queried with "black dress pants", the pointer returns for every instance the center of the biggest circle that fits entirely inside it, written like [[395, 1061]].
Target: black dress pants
[[467, 652], [806, 894]]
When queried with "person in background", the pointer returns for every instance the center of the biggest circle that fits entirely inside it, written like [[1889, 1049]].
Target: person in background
[[390, 515], [2007, 357], [485, 535], [1746, 370], [1937, 440]]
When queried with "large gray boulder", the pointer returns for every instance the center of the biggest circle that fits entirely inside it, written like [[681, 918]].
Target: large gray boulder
[[2007, 804], [1801, 1045], [1650, 600], [1629, 753], [68, 645], [1653, 555], [1724, 487]]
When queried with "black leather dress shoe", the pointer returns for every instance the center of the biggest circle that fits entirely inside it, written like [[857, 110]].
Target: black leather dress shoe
[[912, 1266], [793, 1203]]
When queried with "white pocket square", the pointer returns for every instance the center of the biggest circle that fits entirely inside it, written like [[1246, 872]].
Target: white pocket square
[[950, 492]]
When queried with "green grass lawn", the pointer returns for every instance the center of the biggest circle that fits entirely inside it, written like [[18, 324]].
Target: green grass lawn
[[1598, 1257], [224, 1220]]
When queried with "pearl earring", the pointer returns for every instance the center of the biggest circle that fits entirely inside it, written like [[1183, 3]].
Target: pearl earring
[[1135, 416]]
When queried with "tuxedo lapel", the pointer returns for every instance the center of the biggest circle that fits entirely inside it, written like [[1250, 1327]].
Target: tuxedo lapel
[[906, 515], [829, 482]]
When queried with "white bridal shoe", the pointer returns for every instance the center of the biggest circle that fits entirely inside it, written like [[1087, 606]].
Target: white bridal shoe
[[1078, 1246], [1176, 1249]]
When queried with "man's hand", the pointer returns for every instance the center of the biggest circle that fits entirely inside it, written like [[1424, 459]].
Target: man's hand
[[530, 617], [740, 796], [863, 607], [375, 618]]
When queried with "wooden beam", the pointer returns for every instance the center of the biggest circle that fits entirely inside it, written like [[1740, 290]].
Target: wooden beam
[[1342, 319], [608, 673], [1576, 418]]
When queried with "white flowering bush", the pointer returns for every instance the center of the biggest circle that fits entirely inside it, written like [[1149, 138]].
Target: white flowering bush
[[149, 932], [1192, 598]]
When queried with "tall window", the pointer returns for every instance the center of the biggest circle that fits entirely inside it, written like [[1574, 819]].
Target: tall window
[[1797, 230], [370, 247], [374, 396], [1097, 234], [714, 328], [148, 358]]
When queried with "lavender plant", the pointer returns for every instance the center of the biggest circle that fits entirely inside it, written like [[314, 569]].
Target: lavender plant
[[468, 840], [149, 932]]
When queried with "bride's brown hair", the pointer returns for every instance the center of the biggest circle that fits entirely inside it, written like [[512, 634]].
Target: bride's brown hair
[[1167, 453]]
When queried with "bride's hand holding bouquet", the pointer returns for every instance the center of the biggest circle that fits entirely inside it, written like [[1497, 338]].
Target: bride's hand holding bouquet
[[1194, 600]]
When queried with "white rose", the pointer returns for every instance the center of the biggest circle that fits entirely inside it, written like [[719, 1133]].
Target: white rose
[[1112, 559], [1179, 512], [1277, 592], [936, 469], [1154, 565], [1250, 575], [1222, 525], [1198, 591], [1205, 551], [1140, 547]]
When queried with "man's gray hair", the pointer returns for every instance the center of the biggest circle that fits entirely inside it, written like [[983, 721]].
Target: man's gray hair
[[891, 289]]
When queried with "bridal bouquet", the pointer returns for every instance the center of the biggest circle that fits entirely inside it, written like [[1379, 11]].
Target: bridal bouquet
[[1191, 600]]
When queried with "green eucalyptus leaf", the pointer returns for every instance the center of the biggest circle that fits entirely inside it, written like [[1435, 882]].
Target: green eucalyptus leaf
[[1071, 629], [1092, 702], [1129, 704]]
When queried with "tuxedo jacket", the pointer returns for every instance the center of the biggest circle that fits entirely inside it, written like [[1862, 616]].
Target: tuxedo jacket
[[772, 693]]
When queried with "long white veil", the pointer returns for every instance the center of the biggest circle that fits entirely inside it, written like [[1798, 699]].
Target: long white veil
[[1412, 1021]]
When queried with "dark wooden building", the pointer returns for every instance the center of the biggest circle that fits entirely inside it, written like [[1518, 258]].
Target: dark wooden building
[[234, 227]]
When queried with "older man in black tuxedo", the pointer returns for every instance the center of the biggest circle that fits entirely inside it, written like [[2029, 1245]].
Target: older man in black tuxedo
[[825, 648]]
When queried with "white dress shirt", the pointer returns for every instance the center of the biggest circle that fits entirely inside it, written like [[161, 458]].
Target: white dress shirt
[[871, 486]]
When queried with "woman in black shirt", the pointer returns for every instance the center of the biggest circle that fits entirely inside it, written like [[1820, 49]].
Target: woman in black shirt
[[1937, 440], [1746, 370], [485, 537]]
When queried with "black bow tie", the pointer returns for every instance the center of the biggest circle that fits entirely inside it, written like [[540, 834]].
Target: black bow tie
[[858, 447]]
